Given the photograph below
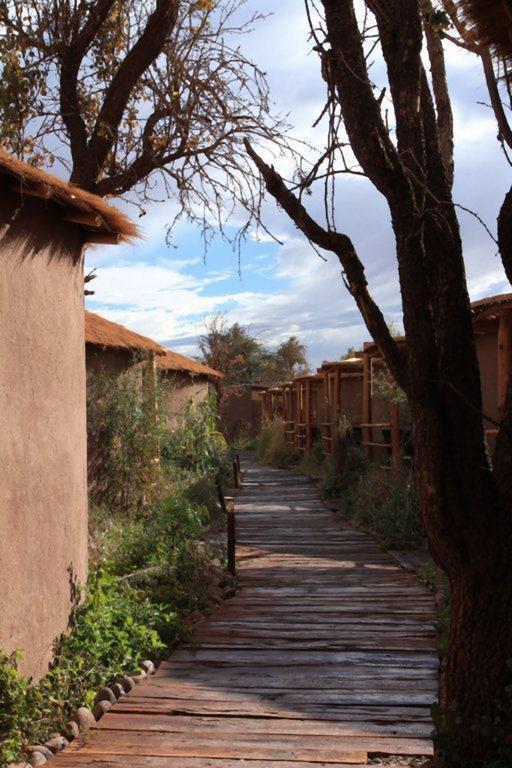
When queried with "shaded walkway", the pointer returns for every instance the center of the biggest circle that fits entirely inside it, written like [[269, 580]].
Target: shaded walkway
[[326, 654]]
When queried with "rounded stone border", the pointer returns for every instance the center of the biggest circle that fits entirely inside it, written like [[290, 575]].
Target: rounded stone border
[[84, 718]]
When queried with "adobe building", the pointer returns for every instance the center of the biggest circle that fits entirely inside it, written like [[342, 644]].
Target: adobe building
[[114, 349], [44, 224], [189, 381]]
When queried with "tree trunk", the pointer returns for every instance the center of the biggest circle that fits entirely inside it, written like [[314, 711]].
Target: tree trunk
[[477, 671]]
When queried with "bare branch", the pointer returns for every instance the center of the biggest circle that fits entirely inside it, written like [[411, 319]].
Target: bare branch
[[342, 246]]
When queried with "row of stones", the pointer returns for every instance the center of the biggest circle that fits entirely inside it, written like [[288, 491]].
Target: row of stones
[[39, 754]]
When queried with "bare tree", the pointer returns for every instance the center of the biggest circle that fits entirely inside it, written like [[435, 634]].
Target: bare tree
[[401, 139], [488, 41], [149, 97]]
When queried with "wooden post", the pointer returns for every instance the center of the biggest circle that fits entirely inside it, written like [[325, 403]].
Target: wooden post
[[337, 393], [220, 495], [327, 417], [396, 453], [367, 405], [231, 525], [504, 355], [308, 419], [236, 479], [149, 383], [298, 398]]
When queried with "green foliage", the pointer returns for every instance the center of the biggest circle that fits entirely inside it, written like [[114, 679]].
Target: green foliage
[[242, 358], [194, 444], [111, 631], [312, 463], [335, 481], [272, 447], [386, 504], [386, 388], [123, 438], [160, 551]]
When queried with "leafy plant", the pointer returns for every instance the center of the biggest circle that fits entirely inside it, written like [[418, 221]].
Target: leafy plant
[[272, 447], [124, 430], [111, 631]]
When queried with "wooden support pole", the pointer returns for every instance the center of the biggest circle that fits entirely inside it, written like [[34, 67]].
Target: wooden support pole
[[298, 398], [504, 354], [309, 417], [220, 495], [327, 415], [149, 384], [337, 394], [236, 473], [396, 452], [367, 405], [231, 526]]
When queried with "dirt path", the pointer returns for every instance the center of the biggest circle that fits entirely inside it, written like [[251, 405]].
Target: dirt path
[[325, 656]]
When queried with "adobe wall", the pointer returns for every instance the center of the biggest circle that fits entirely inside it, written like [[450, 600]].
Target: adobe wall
[[43, 483], [113, 361], [240, 412], [183, 389], [351, 399], [487, 352]]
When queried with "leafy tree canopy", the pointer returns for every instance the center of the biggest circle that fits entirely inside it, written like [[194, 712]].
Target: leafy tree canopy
[[242, 358]]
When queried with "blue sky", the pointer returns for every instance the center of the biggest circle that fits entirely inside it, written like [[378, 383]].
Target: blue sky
[[168, 292]]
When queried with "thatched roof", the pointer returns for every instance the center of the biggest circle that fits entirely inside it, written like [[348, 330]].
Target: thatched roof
[[108, 335], [174, 362], [490, 302], [90, 212], [492, 23]]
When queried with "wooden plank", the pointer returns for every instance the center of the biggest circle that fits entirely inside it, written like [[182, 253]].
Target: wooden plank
[[68, 759]]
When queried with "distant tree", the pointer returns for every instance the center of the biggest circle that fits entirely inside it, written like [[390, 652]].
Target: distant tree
[[290, 358], [125, 93], [400, 132], [244, 359], [232, 351], [351, 352]]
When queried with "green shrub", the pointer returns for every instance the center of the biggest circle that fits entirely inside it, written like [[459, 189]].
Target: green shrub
[[272, 447], [312, 463], [340, 475], [123, 436], [387, 504], [111, 631], [194, 444]]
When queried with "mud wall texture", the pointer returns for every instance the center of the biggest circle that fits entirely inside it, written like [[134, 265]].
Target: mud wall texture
[[43, 485], [240, 412]]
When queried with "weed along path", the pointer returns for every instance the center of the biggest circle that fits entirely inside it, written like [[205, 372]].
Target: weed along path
[[326, 656]]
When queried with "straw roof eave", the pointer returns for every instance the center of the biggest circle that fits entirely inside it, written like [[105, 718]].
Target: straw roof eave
[[104, 334], [90, 212], [172, 362]]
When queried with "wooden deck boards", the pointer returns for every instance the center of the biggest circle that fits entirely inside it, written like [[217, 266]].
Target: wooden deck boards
[[326, 654]]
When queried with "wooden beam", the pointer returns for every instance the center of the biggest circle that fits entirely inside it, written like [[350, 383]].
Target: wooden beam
[[103, 238], [504, 354], [367, 406], [84, 219]]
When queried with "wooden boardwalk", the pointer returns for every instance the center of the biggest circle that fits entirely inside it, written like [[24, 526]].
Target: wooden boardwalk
[[326, 654]]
